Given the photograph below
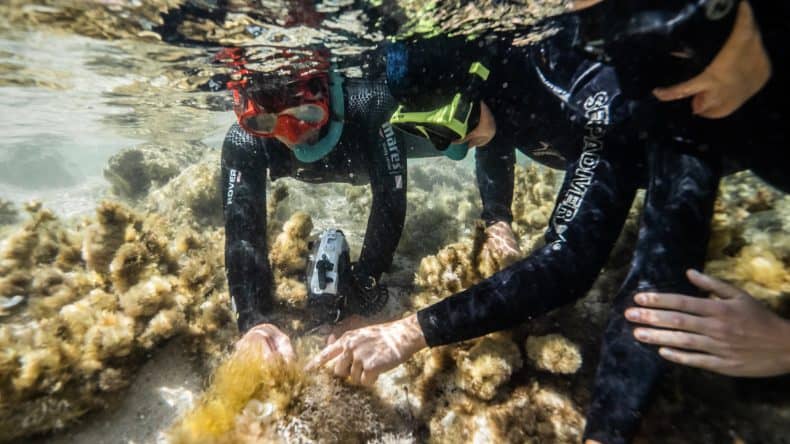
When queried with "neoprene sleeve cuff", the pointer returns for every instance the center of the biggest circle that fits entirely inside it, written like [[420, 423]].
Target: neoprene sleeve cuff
[[492, 219], [436, 321], [249, 319], [429, 325]]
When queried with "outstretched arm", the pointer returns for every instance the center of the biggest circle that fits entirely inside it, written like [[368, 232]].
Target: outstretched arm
[[588, 216], [244, 203], [590, 212]]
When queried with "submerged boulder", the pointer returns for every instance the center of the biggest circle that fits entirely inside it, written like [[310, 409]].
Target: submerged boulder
[[133, 171], [8, 213]]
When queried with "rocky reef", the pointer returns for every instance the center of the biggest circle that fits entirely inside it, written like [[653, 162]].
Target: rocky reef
[[85, 302], [750, 245], [134, 171], [532, 384], [95, 298]]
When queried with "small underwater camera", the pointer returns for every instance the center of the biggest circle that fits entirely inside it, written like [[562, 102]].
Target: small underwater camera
[[328, 276]]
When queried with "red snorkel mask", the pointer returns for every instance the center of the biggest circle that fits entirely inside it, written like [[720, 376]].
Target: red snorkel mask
[[286, 106]]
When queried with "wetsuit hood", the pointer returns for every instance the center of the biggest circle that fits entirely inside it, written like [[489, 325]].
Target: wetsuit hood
[[654, 43]]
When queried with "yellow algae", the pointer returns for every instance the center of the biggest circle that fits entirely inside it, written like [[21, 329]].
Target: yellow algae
[[487, 365], [554, 353], [250, 399], [125, 294], [288, 256], [234, 384]]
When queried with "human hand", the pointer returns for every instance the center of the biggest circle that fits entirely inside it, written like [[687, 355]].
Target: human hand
[[501, 241], [733, 335], [270, 341], [363, 354], [349, 323], [739, 71]]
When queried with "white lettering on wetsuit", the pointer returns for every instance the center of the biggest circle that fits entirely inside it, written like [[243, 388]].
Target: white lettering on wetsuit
[[596, 111], [390, 146], [234, 177]]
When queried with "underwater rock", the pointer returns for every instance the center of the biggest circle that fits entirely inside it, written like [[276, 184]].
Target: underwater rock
[[442, 207], [462, 264], [35, 167], [8, 213], [194, 196], [43, 245], [750, 244], [448, 272], [133, 171], [531, 413], [105, 235], [554, 353], [289, 250]]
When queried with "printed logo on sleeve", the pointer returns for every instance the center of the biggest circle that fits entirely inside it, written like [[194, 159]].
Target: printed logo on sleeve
[[390, 146], [234, 177], [596, 109]]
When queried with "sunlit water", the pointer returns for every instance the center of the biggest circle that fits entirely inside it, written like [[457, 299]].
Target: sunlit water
[[68, 103]]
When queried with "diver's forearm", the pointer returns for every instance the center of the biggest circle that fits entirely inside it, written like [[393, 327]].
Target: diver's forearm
[[243, 189], [546, 280]]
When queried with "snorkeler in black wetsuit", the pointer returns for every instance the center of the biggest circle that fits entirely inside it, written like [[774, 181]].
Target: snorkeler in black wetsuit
[[556, 105], [358, 147], [659, 44]]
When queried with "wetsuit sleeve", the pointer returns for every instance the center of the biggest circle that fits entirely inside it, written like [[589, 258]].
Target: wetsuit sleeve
[[494, 169], [588, 216], [673, 237], [244, 204], [388, 210]]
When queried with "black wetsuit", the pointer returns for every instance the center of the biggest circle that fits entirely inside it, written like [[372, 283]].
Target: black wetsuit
[[369, 151], [753, 136], [557, 106]]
